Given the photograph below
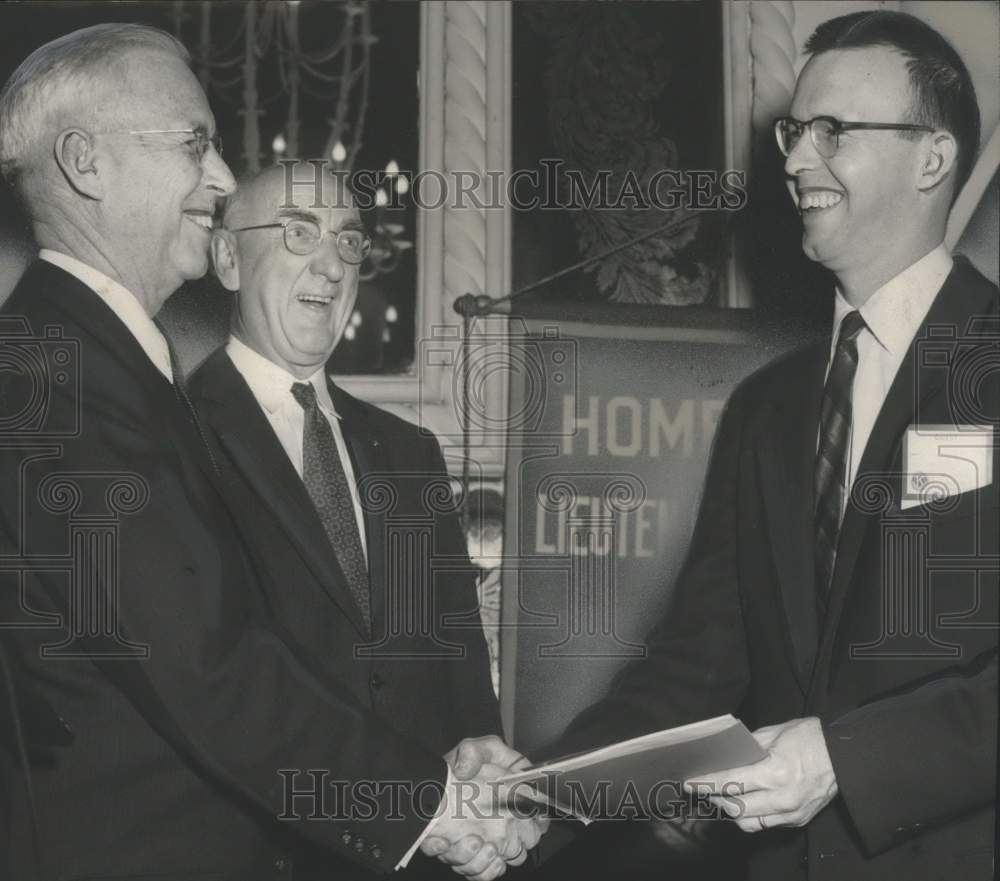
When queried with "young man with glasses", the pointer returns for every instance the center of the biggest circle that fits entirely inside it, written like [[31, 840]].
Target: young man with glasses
[[841, 591]]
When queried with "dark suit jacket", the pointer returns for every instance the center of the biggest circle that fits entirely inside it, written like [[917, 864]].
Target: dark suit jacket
[[424, 669], [141, 623], [907, 694]]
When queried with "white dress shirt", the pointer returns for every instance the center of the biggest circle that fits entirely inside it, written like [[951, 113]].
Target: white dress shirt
[[272, 387], [892, 315], [123, 303]]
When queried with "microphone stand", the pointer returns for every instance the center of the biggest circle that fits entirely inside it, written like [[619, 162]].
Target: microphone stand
[[473, 306]]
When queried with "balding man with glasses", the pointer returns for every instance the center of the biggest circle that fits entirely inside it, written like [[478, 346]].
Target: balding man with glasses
[[350, 507], [841, 591]]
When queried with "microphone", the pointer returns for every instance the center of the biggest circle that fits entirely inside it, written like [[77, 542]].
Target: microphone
[[472, 306]]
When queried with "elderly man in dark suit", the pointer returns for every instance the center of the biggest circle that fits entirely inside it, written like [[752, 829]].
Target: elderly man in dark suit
[[157, 710], [349, 506], [841, 591]]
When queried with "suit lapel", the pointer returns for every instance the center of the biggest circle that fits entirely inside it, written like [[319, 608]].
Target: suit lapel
[[786, 455], [915, 388], [67, 294], [254, 450]]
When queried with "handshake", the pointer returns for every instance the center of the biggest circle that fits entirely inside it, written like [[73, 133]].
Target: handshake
[[476, 832]]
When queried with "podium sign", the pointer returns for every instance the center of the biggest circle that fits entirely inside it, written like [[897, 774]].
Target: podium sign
[[610, 433]]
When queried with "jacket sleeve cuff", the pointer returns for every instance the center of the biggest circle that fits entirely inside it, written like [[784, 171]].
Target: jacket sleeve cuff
[[405, 861]]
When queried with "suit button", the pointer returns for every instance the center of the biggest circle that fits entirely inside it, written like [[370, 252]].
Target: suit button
[[281, 865], [346, 837], [359, 845], [377, 682], [376, 852]]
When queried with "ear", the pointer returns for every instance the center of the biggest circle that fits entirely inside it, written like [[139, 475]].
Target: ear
[[77, 160], [938, 160], [225, 259]]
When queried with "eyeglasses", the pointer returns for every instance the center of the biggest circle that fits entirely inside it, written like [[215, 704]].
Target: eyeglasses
[[198, 142], [302, 237], [825, 132]]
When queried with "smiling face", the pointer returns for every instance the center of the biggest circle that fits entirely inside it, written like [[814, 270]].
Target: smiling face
[[157, 212], [861, 209], [291, 308]]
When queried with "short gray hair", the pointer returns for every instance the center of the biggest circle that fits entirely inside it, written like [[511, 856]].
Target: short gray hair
[[62, 71]]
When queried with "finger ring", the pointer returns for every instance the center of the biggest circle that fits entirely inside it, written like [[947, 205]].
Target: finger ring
[[763, 825]]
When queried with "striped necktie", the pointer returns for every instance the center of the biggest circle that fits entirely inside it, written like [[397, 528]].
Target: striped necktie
[[831, 456], [326, 483]]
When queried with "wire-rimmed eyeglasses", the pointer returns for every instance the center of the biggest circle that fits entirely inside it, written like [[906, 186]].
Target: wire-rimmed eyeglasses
[[302, 237], [198, 142], [825, 132]]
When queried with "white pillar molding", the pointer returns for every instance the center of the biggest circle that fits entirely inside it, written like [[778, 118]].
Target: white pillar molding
[[462, 248], [773, 55], [738, 104], [759, 79], [464, 147], [476, 239]]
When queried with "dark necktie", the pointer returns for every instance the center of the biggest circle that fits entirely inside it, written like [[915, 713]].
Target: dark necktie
[[831, 457], [326, 483]]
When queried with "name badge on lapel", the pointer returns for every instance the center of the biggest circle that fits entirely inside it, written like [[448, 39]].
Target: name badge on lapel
[[941, 461]]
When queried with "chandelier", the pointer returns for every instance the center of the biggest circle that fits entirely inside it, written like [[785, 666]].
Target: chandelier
[[262, 66]]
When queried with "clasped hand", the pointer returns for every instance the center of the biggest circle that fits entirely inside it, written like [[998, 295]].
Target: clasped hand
[[476, 831]]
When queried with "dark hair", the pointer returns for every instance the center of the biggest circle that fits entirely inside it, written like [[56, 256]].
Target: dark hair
[[943, 94]]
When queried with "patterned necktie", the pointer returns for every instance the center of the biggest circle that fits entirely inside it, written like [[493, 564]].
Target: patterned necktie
[[326, 483], [831, 457]]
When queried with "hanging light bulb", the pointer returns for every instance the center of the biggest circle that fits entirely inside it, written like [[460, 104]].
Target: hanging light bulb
[[391, 315], [356, 318], [339, 152], [349, 333], [279, 145], [402, 184], [381, 198], [392, 168]]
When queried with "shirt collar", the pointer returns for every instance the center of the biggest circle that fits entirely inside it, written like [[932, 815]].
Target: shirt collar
[[895, 311], [271, 384], [123, 303]]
